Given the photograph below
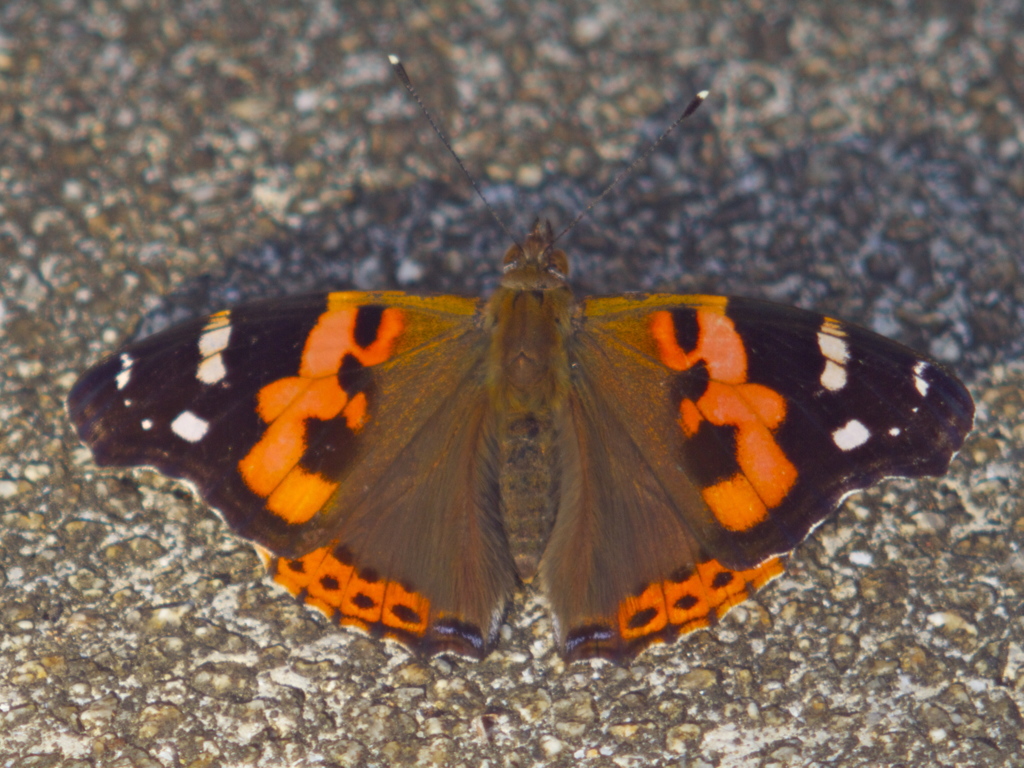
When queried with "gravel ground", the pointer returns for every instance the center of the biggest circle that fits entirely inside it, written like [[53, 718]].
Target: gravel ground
[[162, 159]]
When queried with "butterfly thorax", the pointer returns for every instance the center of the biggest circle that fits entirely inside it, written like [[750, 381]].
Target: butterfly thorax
[[529, 318]]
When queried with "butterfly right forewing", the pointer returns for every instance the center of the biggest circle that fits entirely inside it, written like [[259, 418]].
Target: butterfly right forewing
[[722, 430]]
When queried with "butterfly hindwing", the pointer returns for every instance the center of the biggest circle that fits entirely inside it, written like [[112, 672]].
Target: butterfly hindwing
[[732, 428], [622, 568]]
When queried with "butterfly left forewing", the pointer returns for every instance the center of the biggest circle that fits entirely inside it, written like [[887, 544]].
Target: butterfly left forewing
[[343, 433], [235, 401], [739, 425]]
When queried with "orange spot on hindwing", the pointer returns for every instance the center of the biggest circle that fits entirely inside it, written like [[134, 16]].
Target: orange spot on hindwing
[[327, 580], [689, 601], [310, 416], [720, 409], [643, 614]]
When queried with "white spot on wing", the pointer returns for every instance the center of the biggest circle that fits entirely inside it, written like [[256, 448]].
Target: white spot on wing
[[895, 431], [146, 424], [833, 378], [125, 374], [190, 427], [851, 435], [833, 346], [211, 370], [214, 340], [919, 381]]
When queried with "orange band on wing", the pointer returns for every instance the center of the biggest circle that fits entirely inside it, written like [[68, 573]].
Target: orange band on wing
[[735, 503], [363, 600], [355, 412], [644, 614], [664, 332], [718, 344], [299, 496], [405, 610], [283, 444], [689, 417], [753, 411], [271, 469], [334, 337], [323, 581], [276, 396], [705, 594]]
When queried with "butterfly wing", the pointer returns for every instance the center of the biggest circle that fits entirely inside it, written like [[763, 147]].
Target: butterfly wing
[[706, 437], [348, 434]]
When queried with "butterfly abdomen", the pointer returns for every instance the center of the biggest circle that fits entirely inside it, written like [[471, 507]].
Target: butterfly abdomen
[[528, 377]]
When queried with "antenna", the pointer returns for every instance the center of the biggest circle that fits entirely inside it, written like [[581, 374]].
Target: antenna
[[396, 64], [692, 107]]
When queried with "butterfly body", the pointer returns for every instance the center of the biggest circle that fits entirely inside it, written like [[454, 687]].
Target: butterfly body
[[405, 462]]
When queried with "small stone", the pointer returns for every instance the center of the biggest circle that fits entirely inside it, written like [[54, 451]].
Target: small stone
[[951, 621], [98, 715], [551, 747], [532, 706], [678, 736], [253, 110], [696, 680], [36, 472], [159, 720], [624, 730], [28, 673]]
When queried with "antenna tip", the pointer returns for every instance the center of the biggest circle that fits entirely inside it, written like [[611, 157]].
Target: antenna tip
[[395, 61], [703, 95]]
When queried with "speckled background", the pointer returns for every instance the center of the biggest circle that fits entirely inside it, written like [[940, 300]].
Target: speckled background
[[160, 159]]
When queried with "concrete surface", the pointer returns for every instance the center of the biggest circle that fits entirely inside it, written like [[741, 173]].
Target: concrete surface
[[161, 159]]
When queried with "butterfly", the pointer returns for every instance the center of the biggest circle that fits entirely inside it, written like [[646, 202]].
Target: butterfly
[[404, 463]]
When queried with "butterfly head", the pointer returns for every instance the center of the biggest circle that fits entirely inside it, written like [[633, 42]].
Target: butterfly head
[[536, 264]]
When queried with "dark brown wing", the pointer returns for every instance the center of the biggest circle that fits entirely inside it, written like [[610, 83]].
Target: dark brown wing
[[707, 436], [347, 434]]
